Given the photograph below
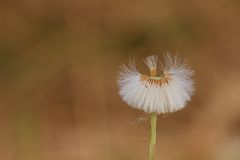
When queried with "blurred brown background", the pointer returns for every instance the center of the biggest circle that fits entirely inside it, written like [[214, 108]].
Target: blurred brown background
[[59, 65]]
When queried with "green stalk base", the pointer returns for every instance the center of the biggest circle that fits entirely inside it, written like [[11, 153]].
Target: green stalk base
[[153, 138]]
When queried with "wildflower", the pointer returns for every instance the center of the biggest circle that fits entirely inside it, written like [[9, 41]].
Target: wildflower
[[167, 89]]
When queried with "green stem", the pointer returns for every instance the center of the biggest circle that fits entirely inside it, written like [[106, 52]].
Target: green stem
[[153, 131]]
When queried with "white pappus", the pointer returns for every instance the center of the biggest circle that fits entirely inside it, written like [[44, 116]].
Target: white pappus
[[167, 89]]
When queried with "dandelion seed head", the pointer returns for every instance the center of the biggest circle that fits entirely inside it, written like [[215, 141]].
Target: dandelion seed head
[[167, 89]]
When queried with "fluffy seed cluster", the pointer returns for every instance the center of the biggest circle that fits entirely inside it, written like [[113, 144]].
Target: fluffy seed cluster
[[167, 89]]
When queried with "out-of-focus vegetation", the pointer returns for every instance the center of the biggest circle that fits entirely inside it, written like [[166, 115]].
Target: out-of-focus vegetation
[[58, 69]]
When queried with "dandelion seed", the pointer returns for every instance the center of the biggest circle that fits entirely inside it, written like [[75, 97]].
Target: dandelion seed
[[167, 89]]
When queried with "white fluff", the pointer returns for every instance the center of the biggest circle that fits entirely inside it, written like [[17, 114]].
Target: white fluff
[[168, 97]]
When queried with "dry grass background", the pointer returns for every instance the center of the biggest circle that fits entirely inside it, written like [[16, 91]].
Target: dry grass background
[[58, 69]]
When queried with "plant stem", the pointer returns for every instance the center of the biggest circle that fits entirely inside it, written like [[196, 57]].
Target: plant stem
[[152, 141]]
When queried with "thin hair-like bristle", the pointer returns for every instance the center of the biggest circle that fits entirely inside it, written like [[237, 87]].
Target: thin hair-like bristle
[[151, 61]]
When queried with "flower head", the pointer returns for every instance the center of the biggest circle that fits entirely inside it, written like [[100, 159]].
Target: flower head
[[167, 89]]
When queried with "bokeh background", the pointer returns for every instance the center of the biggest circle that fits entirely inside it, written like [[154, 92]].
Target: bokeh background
[[59, 62]]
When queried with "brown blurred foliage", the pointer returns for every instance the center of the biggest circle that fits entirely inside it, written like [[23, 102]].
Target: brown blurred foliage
[[58, 69]]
